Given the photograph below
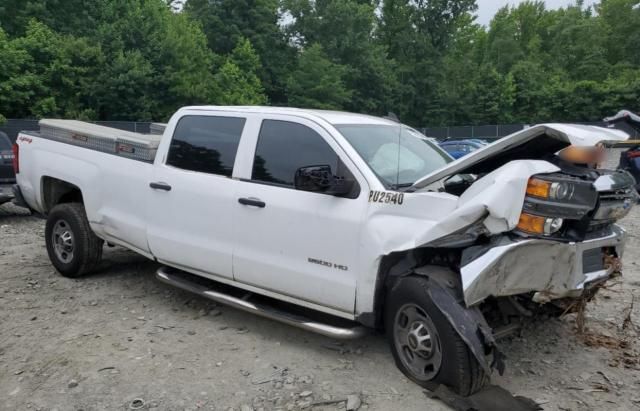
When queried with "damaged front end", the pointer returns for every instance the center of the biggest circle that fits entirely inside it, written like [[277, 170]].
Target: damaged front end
[[539, 218], [566, 239], [534, 223]]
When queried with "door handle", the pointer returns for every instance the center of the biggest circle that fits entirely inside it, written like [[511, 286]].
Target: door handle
[[252, 202], [160, 186]]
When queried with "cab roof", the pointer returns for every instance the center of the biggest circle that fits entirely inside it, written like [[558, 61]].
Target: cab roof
[[332, 117]]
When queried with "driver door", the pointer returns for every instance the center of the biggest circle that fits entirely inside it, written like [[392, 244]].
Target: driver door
[[297, 243]]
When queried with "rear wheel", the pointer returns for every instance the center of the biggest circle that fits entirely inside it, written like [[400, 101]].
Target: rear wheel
[[73, 248], [426, 348]]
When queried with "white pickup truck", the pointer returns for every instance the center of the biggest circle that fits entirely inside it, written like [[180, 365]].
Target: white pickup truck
[[338, 222]]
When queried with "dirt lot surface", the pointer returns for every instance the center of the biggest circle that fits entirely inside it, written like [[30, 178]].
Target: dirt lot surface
[[119, 336]]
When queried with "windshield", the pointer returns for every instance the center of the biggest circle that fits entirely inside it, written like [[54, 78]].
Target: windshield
[[398, 154]]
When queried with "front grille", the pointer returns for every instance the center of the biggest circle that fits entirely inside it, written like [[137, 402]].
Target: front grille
[[614, 204], [615, 195], [592, 260]]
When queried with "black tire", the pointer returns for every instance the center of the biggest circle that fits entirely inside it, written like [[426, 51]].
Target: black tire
[[83, 253], [459, 369]]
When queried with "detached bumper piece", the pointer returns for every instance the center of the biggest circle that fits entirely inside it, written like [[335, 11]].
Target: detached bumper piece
[[550, 269], [249, 303], [18, 199]]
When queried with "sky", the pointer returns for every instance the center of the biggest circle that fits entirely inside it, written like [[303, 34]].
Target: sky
[[487, 8]]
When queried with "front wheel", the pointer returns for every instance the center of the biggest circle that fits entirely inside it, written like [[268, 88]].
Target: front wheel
[[426, 348], [72, 246]]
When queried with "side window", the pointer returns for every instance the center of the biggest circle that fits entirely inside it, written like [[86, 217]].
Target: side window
[[283, 147], [207, 144]]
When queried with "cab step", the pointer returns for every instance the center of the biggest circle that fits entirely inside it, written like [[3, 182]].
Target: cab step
[[259, 305]]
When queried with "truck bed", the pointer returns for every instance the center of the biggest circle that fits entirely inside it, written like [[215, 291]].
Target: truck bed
[[136, 146]]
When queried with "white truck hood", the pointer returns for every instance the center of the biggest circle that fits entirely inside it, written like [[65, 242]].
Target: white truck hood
[[530, 143]]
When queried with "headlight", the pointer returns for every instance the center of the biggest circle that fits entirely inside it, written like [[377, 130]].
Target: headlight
[[560, 190], [551, 200]]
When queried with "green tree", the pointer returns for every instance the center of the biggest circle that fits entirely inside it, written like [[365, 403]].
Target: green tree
[[226, 22], [494, 97], [426, 60], [346, 31], [418, 36], [621, 22], [237, 81], [170, 65], [125, 87], [64, 16], [317, 82], [16, 82], [48, 74]]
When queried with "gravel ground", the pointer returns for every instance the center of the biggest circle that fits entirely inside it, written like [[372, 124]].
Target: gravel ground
[[106, 340]]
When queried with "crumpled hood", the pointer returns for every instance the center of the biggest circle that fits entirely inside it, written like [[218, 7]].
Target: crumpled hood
[[531, 143], [425, 217]]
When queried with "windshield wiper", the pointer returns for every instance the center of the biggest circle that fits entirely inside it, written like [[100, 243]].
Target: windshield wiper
[[399, 186]]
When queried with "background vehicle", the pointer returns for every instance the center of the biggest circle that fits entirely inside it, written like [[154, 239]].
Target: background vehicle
[[7, 175], [629, 158], [459, 148], [333, 221]]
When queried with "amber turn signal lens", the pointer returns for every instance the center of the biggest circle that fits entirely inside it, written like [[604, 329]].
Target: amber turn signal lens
[[538, 188], [531, 223]]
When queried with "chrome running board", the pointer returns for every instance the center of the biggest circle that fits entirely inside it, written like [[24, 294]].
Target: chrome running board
[[165, 275]]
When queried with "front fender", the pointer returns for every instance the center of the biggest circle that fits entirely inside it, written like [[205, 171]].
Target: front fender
[[469, 323]]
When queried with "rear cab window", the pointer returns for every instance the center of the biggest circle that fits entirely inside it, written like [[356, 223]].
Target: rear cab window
[[206, 144]]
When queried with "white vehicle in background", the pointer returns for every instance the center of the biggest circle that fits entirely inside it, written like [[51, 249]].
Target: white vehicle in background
[[338, 222]]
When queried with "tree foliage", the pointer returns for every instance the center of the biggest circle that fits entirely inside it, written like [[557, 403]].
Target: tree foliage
[[226, 22], [237, 80], [426, 60], [317, 82]]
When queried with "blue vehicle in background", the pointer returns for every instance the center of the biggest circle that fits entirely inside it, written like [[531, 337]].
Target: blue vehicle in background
[[460, 148]]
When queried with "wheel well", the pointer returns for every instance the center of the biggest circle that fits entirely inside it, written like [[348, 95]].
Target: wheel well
[[398, 264], [55, 191]]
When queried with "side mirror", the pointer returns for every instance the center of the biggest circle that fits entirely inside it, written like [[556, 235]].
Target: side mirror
[[320, 179]]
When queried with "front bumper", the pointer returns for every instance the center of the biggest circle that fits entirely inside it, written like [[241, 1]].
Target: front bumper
[[548, 268]]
